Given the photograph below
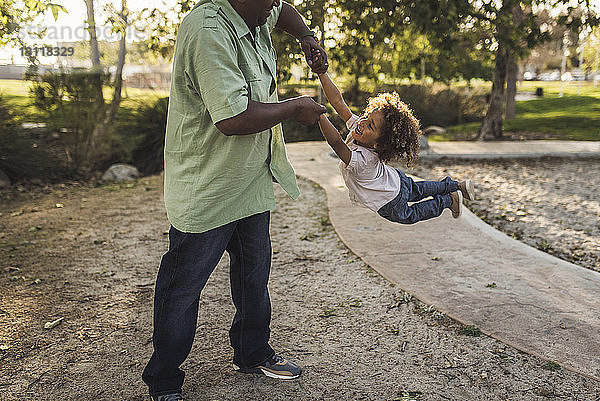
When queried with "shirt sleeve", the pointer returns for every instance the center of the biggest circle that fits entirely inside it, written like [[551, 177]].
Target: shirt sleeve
[[364, 164], [274, 17], [212, 69], [358, 163], [352, 121]]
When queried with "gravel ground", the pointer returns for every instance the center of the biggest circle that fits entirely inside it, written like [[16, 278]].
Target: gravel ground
[[550, 204], [90, 255]]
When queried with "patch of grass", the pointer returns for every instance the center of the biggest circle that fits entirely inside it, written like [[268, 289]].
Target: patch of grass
[[544, 246], [309, 237], [355, 303], [471, 331], [407, 395], [329, 312], [17, 94], [551, 366], [491, 285], [575, 116], [324, 220]]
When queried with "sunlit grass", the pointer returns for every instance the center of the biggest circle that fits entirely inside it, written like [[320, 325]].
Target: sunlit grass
[[570, 117], [17, 93]]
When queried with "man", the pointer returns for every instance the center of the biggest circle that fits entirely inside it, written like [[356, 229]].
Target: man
[[223, 150]]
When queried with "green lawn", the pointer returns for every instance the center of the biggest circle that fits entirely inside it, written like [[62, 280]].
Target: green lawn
[[571, 117], [17, 93]]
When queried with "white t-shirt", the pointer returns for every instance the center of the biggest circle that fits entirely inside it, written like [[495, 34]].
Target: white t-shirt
[[370, 182]]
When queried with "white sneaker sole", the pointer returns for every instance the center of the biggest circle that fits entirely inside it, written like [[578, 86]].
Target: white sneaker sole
[[270, 374], [276, 376], [470, 188]]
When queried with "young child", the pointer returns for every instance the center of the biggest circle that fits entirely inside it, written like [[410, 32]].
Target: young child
[[387, 130]]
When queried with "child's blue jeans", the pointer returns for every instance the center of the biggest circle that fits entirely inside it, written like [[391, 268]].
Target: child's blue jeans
[[398, 210]]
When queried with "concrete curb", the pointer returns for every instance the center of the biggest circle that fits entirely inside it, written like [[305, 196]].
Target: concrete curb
[[477, 150], [497, 156]]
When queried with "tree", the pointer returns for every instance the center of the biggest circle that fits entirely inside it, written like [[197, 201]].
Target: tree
[[16, 17], [515, 29], [162, 26], [106, 114]]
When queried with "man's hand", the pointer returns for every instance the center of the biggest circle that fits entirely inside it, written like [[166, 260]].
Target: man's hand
[[311, 47], [307, 111]]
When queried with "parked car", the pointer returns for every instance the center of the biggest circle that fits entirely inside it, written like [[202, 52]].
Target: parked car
[[578, 74], [566, 76], [549, 76]]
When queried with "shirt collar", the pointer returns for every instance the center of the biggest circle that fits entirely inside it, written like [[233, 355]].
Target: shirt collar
[[236, 20]]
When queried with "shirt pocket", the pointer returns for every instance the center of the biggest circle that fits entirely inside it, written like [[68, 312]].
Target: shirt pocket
[[254, 81]]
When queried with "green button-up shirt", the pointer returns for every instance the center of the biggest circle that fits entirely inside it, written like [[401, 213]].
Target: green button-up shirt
[[212, 179]]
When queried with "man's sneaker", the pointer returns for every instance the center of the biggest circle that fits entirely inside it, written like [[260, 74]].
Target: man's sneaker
[[456, 205], [275, 367], [467, 189], [168, 397]]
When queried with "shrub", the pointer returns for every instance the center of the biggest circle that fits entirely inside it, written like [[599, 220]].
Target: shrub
[[296, 132], [434, 106], [147, 125], [24, 154], [68, 100]]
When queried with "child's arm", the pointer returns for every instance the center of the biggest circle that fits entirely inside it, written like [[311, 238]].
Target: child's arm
[[334, 139], [335, 97]]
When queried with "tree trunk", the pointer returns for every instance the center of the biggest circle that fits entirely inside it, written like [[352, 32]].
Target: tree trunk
[[118, 83], [491, 128], [95, 53], [512, 68], [511, 87], [108, 116]]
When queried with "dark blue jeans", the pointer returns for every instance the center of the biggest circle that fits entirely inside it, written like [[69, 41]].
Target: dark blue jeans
[[398, 210], [183, 272]]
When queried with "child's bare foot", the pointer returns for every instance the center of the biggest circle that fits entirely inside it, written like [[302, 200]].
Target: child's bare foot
[[467, 189], [456, 205]]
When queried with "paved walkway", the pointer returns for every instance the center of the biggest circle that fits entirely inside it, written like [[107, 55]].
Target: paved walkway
[[540, 304], [512, 149]]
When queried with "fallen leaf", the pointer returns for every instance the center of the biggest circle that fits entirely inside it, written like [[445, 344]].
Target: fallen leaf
[[53, 324]]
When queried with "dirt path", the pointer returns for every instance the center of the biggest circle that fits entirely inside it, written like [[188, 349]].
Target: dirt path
[[93, 260]]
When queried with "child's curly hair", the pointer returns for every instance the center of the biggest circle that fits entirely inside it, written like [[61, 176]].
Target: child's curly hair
[[400, 132]]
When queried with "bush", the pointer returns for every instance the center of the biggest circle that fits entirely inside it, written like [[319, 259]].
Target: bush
[[296, 132], [147, 126], [24, 154], [69, 104], [433, 106]]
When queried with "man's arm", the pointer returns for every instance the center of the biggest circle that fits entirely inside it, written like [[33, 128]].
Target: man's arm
[[334, 139], [334, 96], [291, 22], [261, 116]]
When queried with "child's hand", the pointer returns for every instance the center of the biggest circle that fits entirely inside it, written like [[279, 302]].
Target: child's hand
[[319, 65], [317, 58]]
